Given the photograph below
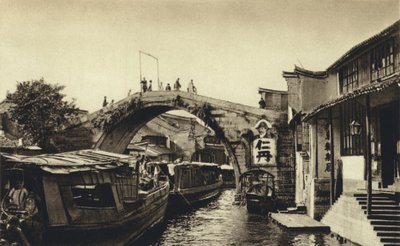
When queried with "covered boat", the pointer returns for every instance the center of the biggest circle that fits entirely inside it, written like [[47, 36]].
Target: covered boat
[[81, 197], [191, 182], [257, 188], [228, 176]]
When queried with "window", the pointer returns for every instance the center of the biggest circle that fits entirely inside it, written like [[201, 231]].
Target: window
[[348, 77], [93, 195], [351, 145], [382, 60]]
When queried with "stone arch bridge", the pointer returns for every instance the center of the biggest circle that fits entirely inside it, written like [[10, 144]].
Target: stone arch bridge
[[112, 127]]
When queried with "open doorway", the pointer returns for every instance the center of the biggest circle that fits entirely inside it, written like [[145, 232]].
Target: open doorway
[[389, 122]]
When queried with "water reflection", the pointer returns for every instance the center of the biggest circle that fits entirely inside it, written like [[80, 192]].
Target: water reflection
[[221, 223]]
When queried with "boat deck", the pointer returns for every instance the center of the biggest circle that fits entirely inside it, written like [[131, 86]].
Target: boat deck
[[299, 222]]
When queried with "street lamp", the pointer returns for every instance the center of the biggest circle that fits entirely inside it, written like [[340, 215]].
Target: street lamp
[[140, 66], [355, 128]]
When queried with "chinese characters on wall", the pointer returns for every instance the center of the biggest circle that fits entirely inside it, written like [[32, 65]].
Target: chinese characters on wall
[[264, 145]]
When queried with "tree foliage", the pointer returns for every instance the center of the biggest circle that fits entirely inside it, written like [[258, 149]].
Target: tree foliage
[[40, 110]]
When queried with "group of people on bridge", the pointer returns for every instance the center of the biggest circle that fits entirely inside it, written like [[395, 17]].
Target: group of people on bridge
[[144, 87]]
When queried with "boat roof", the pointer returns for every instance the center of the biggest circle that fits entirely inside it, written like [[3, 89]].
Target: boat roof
[[186, 163], [226, 167], [252, 172], [74, 161]]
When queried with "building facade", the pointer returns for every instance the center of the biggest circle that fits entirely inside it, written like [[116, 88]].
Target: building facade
[[346, 124]]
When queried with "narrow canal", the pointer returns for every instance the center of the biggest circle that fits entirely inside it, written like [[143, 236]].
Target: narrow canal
[[221, 223]]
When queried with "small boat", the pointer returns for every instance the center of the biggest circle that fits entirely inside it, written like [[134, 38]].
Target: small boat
[[82, 197], [191, 182], [257, 188], [228, 176]]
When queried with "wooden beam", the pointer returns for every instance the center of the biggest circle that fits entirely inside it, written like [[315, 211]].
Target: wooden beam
[[332, 150], [368, 154]]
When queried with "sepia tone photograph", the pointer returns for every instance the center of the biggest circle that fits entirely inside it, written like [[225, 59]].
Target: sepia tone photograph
[[201, 122]]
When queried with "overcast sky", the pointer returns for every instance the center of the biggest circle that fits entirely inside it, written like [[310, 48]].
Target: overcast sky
[[229, 48]]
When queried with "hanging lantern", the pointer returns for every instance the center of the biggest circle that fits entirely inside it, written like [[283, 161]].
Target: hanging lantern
[[355, 128]]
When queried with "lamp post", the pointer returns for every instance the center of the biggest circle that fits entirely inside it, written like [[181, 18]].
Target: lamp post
[[140, 66]]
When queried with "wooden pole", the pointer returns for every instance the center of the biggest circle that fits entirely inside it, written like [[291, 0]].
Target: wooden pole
[[368, 155], [316, 147], [332, 150], [140, 65], [1, 177]]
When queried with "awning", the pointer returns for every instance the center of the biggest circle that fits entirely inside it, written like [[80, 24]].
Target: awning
[[391, 82], [74, 161]]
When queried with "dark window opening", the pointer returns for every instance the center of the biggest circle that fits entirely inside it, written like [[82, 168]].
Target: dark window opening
[[348, 77], [100, 195], [382, 63], [351, 144]]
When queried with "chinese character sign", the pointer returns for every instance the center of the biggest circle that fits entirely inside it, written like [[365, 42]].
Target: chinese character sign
[[264, 146], [264, 151]]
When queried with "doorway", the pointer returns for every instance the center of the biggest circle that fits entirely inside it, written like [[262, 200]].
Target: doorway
[[389, 120]]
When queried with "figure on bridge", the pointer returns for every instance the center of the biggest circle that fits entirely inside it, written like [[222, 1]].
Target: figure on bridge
[[105, 101], [143, 85], [262, 103], [168, 87], [150, 86], [191, 88], [177, 85]]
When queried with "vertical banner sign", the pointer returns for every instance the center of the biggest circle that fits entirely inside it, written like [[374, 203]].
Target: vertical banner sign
[[264, 146], [264, 151]]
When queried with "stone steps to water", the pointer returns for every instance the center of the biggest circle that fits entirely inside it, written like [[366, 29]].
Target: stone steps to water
[[380, 202], [386, 228], [390, 239], [385, 222], [389, 234], [383, 212], [384, 216], [384, 207]]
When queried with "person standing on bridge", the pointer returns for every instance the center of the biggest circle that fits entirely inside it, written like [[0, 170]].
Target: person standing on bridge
[[168, 87], [177, 85], [191, 88], [143, 85], [105, 101], [150, 86], [262, 103]]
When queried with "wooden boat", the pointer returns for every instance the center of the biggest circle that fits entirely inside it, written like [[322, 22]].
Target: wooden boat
[[258, 190], [191, 182], [228, 176], [82, 197]]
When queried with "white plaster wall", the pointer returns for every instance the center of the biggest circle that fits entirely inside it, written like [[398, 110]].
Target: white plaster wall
[[353, 167], [299, 179]]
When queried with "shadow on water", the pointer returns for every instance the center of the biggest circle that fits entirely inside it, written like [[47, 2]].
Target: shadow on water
[[221, 223]]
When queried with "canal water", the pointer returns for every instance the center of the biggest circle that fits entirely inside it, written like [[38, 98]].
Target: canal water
[[221, 223]]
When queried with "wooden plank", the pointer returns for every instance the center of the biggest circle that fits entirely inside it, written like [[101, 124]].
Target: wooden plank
[[298, 222]]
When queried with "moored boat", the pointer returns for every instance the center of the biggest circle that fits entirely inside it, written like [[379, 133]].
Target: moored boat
[[81, 197], [228, 176], [257, 188], [191, 182]]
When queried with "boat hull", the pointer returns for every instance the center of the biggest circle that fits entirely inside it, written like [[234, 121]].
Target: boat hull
[[150, 211], [259, 204], [192, 196]]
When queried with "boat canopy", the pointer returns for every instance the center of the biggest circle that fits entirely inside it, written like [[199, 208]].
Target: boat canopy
[[253, 172], [74, 161], [226, 167]]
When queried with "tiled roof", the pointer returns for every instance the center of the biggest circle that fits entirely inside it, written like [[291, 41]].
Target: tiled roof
[[376, 38], [302, 71], [393, 81]]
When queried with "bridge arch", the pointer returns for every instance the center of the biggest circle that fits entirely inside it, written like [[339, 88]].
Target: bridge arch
[[114, 126]]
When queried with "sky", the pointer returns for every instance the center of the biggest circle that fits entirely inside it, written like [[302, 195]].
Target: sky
[[229, 48]]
